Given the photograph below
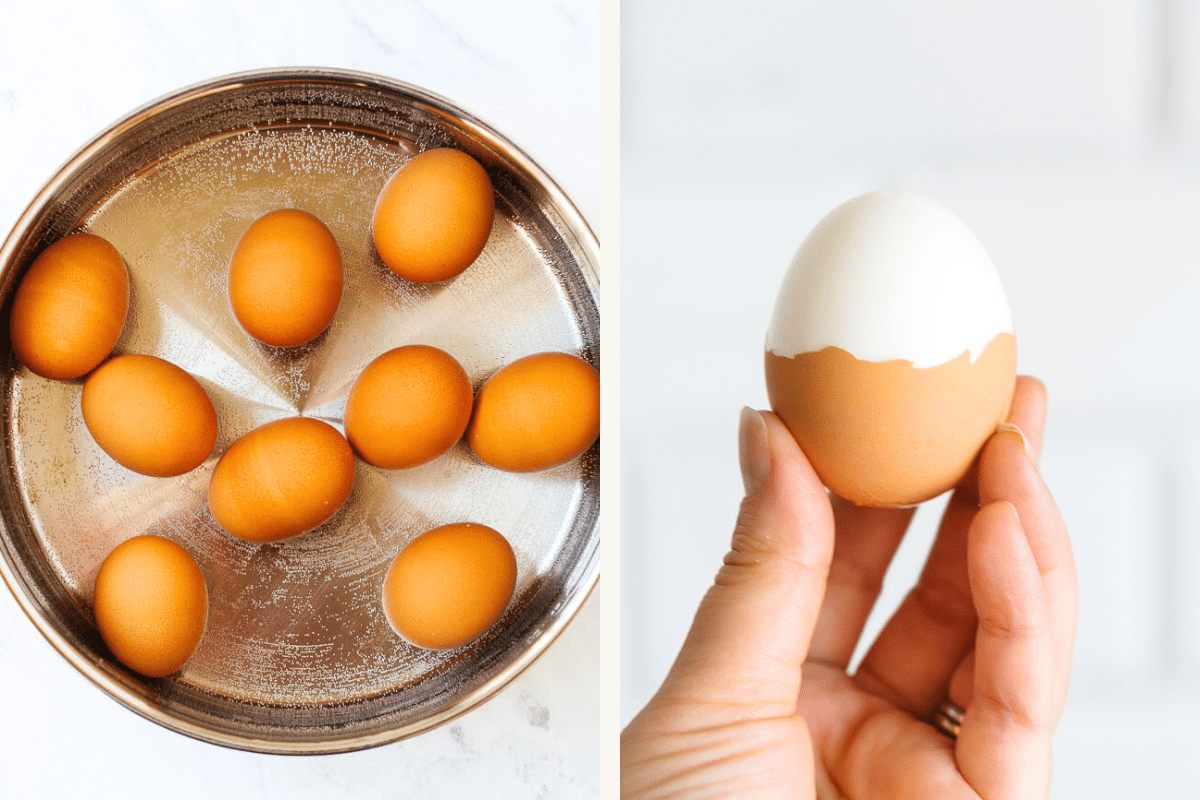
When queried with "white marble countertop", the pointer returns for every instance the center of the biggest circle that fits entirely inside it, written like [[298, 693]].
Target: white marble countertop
[[531, 70]]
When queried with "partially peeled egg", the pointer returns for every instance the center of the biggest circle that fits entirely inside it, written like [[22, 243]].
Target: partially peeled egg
[[891, 355]]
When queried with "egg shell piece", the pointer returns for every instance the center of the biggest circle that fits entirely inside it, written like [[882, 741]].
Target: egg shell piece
[[70, 307], [890, 275], [434, 216], [449, 585], [889, 434], [281, 479], [538, 412], [285, 278], [408, 406], [149, 415], [151, 604]]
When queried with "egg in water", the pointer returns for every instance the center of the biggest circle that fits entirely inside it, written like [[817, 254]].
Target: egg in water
[[408, 406], [281, 480], [449, 585], [538, 412], [434, 216], [151, 604], [70, 307], [891, 355], [149, 415], [285, 278]]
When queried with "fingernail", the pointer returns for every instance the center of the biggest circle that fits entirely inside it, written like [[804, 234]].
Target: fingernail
[[754, 452], [1008, 427]]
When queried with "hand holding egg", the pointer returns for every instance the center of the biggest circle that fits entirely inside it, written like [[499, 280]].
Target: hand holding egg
[[989, 627]]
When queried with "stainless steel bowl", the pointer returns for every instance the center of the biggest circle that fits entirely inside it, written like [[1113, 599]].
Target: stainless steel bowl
[[297, 656]]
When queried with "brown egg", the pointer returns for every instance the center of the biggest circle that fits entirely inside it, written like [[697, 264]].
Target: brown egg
[[285, 278], [449, 585], [408, 407], [538, 412], [891, 355], [281, 479], [70, 307], [151, 605], [149, 415], [919, 429], [434, 216]]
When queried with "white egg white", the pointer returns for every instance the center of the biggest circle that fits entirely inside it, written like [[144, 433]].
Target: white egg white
[[890, 275]]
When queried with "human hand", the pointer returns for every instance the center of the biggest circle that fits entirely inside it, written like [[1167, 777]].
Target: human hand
[[759, 703]]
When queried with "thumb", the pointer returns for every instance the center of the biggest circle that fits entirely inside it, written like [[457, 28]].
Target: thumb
[[752, 630]]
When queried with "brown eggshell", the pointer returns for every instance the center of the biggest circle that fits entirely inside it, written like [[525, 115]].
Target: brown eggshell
[[285, 278], [70, 307], [281, 479], [149, 415], [434, 216], [887, 434], [151, 605], [538, 412], [449, 585], [408, 406]]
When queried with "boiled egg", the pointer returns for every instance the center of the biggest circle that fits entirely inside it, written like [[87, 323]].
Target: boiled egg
[[891, 354], [408, 406]]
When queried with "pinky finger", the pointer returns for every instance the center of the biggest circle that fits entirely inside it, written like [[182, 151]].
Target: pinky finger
[[1003, 748]]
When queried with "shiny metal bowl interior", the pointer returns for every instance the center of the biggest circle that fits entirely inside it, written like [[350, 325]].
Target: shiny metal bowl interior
[[297, 656]]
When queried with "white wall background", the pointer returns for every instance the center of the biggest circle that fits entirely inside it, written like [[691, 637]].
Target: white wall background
[[1067, 136], [532, 70]]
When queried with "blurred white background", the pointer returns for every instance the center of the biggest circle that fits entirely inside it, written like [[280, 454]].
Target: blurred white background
[[1067, 136], [530, 69]]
